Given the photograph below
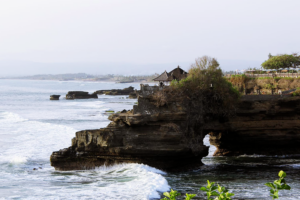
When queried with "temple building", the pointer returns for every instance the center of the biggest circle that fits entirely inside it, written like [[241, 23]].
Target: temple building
[[176, 74]]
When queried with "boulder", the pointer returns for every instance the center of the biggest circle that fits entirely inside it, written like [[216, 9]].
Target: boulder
[[54, 97]]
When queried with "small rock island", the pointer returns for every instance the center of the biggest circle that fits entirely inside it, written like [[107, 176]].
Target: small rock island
[[80, 95]]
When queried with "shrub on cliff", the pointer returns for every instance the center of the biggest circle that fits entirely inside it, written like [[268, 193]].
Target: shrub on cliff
[[239, 79], [206, 85], [206, 95]]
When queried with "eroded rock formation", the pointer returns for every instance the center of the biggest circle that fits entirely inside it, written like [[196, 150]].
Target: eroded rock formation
[[147, 134], [125, 91], [80, 95], [263, 125], [153, 135]]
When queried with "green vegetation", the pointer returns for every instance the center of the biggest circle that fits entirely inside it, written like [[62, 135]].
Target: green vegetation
[[173, 194], [297, 92], [238, 79], [284, 61], [211, 189], [221, 193], [109, 111], [205, 94], [285, 78], [277, 185], [266, 77], [270, 86]]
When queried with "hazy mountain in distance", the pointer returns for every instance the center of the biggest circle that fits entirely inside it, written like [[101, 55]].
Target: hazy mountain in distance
[[25, 68]]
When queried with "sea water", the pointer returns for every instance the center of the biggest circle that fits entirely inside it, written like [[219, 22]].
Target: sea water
[[32, 127]]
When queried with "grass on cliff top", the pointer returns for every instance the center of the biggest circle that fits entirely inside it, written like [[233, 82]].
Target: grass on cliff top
[[242, 79]]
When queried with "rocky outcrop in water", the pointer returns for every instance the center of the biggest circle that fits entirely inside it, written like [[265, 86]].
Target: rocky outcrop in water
[[80, 95], [54, 97], [147, 134], [125, 91]]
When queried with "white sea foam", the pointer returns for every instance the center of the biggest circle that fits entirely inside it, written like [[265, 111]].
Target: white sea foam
[[32, 127], [212, 148], [32, 142], [24, 139]]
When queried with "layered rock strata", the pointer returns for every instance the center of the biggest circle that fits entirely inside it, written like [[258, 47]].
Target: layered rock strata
[[148, 134], [263, 125]]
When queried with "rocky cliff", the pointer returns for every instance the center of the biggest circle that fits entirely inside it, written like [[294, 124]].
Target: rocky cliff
[[154, 135], [264, 84], [263, 125], [147, 134]]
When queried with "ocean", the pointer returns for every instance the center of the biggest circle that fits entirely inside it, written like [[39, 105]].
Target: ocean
[[32, 127]]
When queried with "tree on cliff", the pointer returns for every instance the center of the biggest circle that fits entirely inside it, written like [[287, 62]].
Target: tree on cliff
[[281, 61], [206, 95]]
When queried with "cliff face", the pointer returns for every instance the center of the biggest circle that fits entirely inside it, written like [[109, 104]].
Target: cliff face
[[148, 134], [250, 85], [263, 126], [152, 135]]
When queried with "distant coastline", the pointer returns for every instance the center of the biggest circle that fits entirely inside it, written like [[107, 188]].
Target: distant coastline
[[88, 77]]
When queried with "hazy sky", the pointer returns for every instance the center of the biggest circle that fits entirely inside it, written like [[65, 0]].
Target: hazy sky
[[141, 36]]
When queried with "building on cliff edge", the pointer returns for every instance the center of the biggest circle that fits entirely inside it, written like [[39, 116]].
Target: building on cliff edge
[[176, 74]]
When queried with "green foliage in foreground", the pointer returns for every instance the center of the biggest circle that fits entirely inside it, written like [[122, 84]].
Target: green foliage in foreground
[[277, 185], [173, 194], [221, 193]]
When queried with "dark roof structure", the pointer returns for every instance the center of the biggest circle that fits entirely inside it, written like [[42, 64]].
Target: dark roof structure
[[175, 74]]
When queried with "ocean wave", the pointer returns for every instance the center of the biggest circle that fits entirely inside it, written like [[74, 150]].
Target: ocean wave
[[30, 143], [23, 139]]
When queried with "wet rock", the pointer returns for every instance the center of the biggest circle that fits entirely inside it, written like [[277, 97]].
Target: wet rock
[[80, 95], [126, 91], [54, 97]]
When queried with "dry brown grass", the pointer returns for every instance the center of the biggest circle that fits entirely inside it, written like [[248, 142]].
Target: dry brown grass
[[160, 98]]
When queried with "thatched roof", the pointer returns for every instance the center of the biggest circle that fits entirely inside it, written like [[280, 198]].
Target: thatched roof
[[163, 77], [176, 73]]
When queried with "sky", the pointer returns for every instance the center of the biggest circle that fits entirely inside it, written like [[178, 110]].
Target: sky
[[142, 37]]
